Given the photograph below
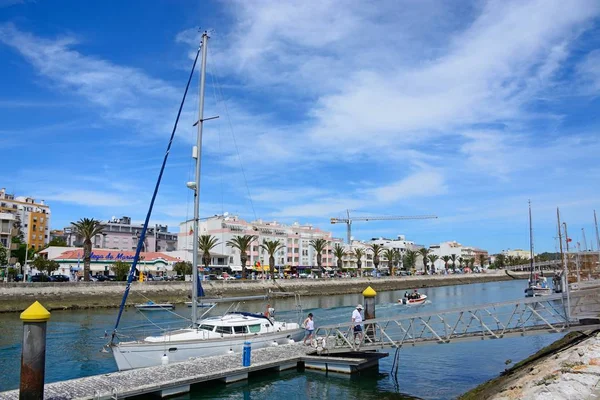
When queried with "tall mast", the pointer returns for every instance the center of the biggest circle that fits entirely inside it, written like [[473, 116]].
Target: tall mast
[[597, 236], [562, 256], [530, 244], [584, 240], [198, 154]]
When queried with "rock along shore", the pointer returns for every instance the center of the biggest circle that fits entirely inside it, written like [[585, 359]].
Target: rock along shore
[[76, 295], [567, 369]]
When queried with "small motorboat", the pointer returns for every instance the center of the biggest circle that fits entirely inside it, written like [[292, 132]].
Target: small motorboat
[[152, 306], [413, 299]]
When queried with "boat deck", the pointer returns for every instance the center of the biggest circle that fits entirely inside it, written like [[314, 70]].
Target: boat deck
[[175, 378]]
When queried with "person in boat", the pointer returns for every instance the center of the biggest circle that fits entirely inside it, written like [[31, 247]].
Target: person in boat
[[406, 295], [309, 327], [357, 320]]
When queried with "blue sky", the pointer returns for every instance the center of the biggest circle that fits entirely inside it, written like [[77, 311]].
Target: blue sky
[[461, 109]]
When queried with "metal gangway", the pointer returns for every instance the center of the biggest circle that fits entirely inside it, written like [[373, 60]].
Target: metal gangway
[[557, 313]]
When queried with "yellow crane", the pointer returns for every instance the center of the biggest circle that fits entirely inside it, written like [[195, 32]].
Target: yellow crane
[[348, 220]]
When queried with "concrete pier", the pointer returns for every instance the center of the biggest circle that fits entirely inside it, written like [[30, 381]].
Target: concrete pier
[[176, 378]]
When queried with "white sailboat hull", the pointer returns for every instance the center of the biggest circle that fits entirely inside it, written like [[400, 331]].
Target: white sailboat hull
[[131, 355]]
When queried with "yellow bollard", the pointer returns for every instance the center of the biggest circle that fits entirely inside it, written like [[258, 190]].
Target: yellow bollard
[[33, 353], [369, 295]]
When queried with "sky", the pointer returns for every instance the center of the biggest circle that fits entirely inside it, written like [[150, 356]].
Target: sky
[[461, 109]]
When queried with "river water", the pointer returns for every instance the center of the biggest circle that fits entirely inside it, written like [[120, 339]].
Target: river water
[[75, 339]]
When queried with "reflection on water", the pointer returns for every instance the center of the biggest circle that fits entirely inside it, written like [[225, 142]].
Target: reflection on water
[[75, 339]]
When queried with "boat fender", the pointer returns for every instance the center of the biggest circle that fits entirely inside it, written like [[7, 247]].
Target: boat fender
[[230, 351], [274, 343], [164, 359], [291, 341]]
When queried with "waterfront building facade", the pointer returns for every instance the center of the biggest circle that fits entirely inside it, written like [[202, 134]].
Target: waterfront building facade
[[33, 216], [297, 251], [70, 260], [121, 233]]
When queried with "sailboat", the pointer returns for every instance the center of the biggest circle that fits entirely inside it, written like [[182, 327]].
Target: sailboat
[[537, 284], [204, 337]]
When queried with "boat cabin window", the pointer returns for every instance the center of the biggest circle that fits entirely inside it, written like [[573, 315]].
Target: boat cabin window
[[207, 327], [224, 329], [240, 329], [254, 328]]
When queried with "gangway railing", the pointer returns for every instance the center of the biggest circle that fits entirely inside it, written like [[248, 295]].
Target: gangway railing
[[544, 314]]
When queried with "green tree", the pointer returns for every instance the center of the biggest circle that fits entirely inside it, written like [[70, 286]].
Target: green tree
[[482, 259], [339, 252], [272, 247], [87, 228], [51, 266], [319, 245], [500, 261], [390, 255], [424, 253], [242, 243], [397, 258], [510, 260], [121, 270], [3, 255], [432, 259], [12, 273], [182, 268], [359, 254], [410, 259], [377, 249], [58, 242], [205, 244]]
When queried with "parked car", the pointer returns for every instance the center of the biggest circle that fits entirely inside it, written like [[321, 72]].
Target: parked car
[[41, 278], [61, 278]]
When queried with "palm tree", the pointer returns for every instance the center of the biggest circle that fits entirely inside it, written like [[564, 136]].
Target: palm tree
[[453, 259], [397, 258], [390, 255], [410, 258], [424, 253], [432, 259], [446, 259], [339, 252], [460, 261], [319, 245], [377, 249], [359, 254], [481, 258], [242, 243], [205, 244], [272, 247], [87, 228]]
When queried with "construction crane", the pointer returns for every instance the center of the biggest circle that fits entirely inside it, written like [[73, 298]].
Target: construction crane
[[348, 221]]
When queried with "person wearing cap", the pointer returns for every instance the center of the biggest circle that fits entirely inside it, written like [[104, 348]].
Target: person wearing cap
[[356, 320]]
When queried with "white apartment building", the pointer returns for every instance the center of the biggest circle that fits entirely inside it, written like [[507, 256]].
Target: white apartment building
[[457, 249], [7, 222], [297, 251], [33, 216], [517, 253]]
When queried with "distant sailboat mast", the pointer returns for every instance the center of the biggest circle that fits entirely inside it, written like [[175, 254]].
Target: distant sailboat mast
[[531, 260]]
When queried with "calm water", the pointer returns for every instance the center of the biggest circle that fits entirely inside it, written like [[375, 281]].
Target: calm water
[[75, 339]]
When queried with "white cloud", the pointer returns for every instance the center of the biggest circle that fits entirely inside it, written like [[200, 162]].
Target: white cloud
[[88, 198]]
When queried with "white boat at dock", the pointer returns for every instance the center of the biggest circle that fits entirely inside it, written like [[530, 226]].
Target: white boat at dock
[[214, 336]]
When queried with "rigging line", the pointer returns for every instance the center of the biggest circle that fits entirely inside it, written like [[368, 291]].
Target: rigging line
[[236, 146], [166, 309], [146, 222], [212, 76]]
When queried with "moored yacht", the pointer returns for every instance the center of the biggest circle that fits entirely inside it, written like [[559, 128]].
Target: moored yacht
[[214, 336]]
